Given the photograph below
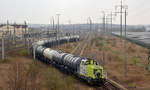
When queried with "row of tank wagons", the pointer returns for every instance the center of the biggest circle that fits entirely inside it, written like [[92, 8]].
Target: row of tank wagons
[[39, 46], [56, 40], [86, 69]]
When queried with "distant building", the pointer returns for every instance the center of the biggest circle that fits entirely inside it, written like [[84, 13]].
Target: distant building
[[19, 29]]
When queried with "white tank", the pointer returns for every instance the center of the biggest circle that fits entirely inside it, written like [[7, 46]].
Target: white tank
[[48, 53]]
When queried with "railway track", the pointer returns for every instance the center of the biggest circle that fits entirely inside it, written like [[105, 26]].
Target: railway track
[[78, 48], [81, 46], [110, 85]]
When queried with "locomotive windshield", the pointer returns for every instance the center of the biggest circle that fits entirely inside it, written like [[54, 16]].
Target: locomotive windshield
[[91, 61]]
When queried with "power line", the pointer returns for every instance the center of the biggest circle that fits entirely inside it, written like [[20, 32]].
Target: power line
[[121, 6], [111, 19], [58, 33], [125, 53]]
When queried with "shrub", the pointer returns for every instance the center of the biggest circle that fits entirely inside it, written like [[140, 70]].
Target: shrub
[[108, 41], [6, 60], [107, 48], [68, 46], [133, 85], [131, 49], [33, 69], [69, 83], [100, 48], [23, 52], [53, 80], [134, 60], [16, 77], [113, 43], [99, 44], [32, 75], [115, 57], [21, 77]]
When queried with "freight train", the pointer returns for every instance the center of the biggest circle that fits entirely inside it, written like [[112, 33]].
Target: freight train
[[84, 68]]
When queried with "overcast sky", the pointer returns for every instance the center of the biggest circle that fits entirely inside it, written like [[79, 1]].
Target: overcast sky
[[41, 11]]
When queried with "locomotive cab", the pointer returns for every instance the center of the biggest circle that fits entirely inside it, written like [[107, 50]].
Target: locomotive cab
[[92, 71]]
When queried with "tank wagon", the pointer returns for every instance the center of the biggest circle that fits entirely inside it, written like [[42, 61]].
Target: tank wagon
[[84, 68]]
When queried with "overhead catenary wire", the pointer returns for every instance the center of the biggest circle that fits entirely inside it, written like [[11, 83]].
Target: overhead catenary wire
[[123, 7]]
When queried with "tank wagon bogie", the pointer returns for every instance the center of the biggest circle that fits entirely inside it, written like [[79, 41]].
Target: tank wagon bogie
[[83, 68]]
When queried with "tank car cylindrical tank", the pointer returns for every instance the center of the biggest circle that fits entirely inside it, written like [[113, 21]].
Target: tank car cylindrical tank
[[71, 61], [39, 52], [63, 40], [40, 43], [53, 55], [47, 53], [46, 43]]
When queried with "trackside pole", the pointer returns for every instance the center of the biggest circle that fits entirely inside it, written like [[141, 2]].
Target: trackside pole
[[28, 46], [14, 36], [25, 35], [34, 53], [125, 52], [3, 50]]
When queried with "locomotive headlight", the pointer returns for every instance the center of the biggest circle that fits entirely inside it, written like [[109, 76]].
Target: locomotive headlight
[[97, 73]]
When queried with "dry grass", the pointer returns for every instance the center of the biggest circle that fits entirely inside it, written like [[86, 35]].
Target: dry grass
[[69, 47], [137, 77], [54, 80], [24, 73]]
